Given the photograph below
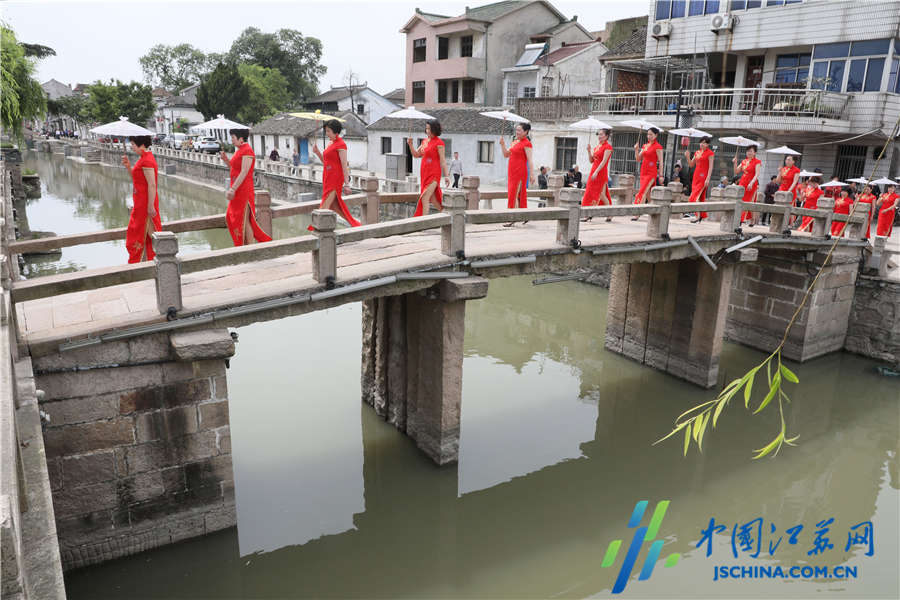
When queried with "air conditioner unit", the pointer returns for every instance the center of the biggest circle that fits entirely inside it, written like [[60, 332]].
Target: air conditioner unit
[[661, 29], [722, 22]]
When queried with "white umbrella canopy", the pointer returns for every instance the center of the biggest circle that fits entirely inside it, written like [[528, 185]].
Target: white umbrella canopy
[[738, 140], [885, 181], [220, 122], [859, 180], [505, 115], [805, 173], [409, 113], [642, 124], [833, 184], [783, 150], [590, 124], [122, 128], [691, 132]]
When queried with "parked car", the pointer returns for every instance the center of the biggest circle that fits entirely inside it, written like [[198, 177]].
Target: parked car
[[206, 144], [175, 140], [188, 143], [159, 139]]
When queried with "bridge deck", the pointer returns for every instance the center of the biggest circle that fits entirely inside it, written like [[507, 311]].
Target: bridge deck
[[129, 305]]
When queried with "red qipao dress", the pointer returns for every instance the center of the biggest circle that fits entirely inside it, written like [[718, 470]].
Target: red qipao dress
[[430, 171], [787, 179], [886, 215], [140, 226], [811, 202], [701, 172], [841, 207], [242, 208], [517, 174], [594, 186], [751, 168], [333, 180], [649, 169], [870, 200]]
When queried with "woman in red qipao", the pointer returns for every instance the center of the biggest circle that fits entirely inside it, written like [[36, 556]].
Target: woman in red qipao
[[650, 155], [145, 214], [597, 190], [241, 214], [336, 175], [434, 164], [788, 177], [749, 168], [519, 155], [703, 161], [842, 205], [811, 201], [867, 197], [889, 201]]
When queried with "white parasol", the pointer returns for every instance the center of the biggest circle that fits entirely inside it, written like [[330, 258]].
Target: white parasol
[[220, 122], [122, 128], [859, 180], [691, 132], [885, 181], [805, 173], [505, 115], [409, 113], [833, 184], [642, 124], [783, 150], [738, 140], [318, 117]]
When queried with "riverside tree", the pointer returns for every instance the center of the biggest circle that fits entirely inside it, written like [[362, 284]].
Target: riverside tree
[[107, 103], [21, 95], [176, 67], [268, 93], [224, 93]]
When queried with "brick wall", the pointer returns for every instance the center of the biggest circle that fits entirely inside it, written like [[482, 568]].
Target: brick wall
[[875, 320], [631, 82]]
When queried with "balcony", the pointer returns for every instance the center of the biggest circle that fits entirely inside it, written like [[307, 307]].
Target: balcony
[[451, 68], [740, 108]]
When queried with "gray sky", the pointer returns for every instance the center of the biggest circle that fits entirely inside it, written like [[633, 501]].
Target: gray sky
[[103, 40]]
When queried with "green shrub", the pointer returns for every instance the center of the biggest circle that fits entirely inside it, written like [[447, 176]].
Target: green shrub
[[7, 145], [29, 172]]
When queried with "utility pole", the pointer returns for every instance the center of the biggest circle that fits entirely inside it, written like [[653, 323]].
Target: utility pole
[[675, 137]]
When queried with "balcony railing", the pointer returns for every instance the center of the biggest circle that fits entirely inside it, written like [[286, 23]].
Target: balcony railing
[[765, 108]]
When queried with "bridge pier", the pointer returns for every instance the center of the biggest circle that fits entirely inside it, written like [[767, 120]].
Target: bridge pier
[[412, 362], [671, 315]]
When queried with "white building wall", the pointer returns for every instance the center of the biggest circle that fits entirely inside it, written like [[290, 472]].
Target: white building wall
[[579, 73]]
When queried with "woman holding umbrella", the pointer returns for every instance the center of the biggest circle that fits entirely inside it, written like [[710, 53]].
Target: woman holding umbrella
[[434, 164], [888, 202], [842, 205], [811, 201], [241, 214], [788, 176], [703, 161], [145, 214], [650, 155], [597, 190], [867, 197], [519, 155], [336, 173], [749, 171]]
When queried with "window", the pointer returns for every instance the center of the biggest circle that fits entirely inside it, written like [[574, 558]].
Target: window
[[276, 141], [419, 50], [468, 94], [454, 93], [743, 4], [442, 92], [485, 152], [833, 71], [792, 68], [443, 45], [673, 9], [385, 145], [894, 80], [512, 92], [448, 149], [418, 95], [566, 152], [465, 46], [864, 75], [546, 87], [360, 109], [528, 92], [850, 162]]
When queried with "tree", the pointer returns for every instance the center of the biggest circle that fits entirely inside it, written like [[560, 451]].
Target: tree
[[109, 102], [268, 93], [69, 106], [351, 82], [224, 93], [21, 95], [174, 67], [296, 57]]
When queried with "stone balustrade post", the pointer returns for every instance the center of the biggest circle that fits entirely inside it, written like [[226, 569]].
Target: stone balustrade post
[[657, 225], [453, 236], [371, 208], [733, 193], [627, 181], [880, 256], [822, 225], [324, 258], [264, 210], [470, 184], [555, 184], [780, 222], [857, 231], [567, 227], [168, 271], [716, 195], [677, 189]]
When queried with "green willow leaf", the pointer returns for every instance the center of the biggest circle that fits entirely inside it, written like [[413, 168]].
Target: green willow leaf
[[789, 375], [770, 447], [748, 388], [769, 372], [687, 440], [718, 411], [776, 385], [704, 422]]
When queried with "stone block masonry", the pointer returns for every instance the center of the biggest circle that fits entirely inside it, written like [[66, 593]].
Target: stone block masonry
[[139, 448], [874, 329]]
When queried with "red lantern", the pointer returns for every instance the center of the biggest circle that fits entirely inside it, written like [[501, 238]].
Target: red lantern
[[685, 142]]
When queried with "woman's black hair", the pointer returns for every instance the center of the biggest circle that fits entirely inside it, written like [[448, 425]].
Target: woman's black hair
[[435, 126], [241, 134], [608, 132], [654, 130], [753, 147], [334, 125], [846, 188], [141, 140], [706, 139], [791, 156]]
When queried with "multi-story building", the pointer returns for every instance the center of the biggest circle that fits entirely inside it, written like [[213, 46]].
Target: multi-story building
[[361, 100], [542, 72], [820, 76], [458, 61]]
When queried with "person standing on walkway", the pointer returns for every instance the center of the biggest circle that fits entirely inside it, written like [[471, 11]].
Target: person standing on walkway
[[769, 198], [888, 203], [597, 189], [867, 197], [749, 170], [335, 173], [842, 205], [240, 217], [433, 165], [702, 163], [542, 179], [456, 169], [519, 167], [296, 160], [788, 177], [811, 201], [576, 177], [650, 155], [145, 214]]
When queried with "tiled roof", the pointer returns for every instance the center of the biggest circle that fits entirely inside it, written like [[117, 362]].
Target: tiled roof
[[636, 43], [557, 27], [453, 120], [491, 12], [398, 94], [566, 51], [285, 124], [335, 94], [431, 18]]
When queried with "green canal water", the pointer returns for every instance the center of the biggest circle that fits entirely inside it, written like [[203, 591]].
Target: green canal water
[[556, 449]]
